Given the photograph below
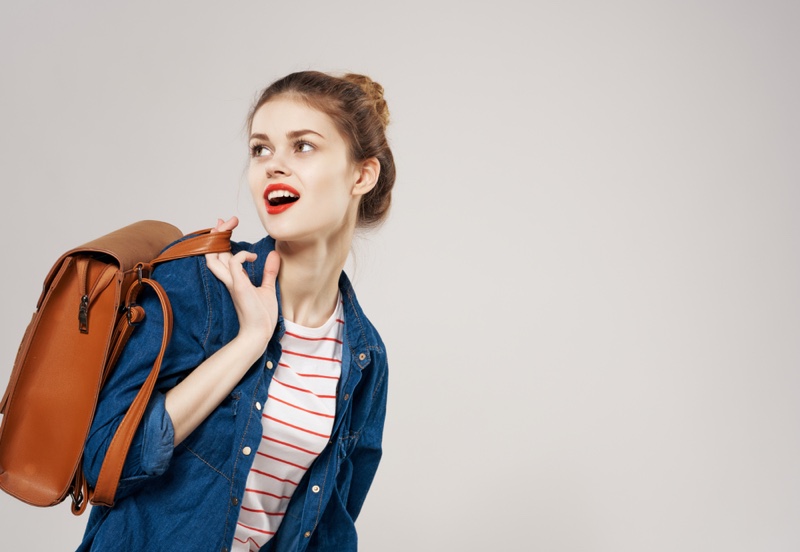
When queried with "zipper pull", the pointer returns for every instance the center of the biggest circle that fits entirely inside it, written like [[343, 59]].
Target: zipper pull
[[83, 315]]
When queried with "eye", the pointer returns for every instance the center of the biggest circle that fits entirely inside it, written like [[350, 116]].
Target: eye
[[303, 146], [259, 150]]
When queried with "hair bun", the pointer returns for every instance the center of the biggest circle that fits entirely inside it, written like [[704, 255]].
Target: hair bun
[[374, 92]]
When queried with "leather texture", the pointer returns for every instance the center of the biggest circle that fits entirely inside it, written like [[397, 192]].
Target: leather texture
[[84, 316]]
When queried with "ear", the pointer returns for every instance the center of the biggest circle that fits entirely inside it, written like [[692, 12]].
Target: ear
[[367, 176]]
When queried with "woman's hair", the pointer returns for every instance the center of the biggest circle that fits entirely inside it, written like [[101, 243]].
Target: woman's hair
[[355, 104]]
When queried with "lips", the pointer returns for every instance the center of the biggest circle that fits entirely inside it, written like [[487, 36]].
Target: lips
[[280, 197]]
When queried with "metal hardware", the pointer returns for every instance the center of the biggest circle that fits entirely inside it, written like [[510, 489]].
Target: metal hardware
[[129, 316], [76, 493], [83, 315]]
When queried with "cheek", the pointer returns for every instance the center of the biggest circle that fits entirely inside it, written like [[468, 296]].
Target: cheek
[[255, 184], [335, 192], [339, 181]]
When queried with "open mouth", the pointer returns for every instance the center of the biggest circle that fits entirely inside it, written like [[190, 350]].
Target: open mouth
[[280, 197]]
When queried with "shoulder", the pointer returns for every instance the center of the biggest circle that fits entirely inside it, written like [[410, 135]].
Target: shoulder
[[199, 300], [200, 303]]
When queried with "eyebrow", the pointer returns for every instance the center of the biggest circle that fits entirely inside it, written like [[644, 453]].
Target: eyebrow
[[291, 135]]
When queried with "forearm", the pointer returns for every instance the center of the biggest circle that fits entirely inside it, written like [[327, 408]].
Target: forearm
[[193, 399]]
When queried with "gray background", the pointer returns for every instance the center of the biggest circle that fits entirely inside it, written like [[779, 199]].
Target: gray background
[[589, 283]]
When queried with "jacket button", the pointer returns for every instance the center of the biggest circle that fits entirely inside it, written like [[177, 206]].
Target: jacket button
[[246, 451], [258, 406], [315, 489], [270, 366], [307, 534], [235, 501], [224, 549], [362, 356], [347, 396]]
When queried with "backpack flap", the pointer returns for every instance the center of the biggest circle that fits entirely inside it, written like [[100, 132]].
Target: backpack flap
[[135, 243]]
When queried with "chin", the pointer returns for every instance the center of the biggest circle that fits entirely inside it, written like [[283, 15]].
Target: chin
[[278, 226], [286, 232]]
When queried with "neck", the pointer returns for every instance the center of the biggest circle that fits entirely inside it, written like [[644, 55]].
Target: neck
[[309, 279]]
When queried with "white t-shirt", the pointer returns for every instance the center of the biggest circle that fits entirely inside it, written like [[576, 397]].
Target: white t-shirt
[[297, 423]]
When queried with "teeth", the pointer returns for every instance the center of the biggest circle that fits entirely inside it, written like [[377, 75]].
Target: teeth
[[280, 193]]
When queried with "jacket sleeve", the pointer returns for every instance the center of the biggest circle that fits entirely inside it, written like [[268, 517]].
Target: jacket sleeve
[[185, 281], [368, 450]]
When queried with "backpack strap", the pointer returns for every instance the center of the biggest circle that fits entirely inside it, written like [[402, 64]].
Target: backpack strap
[[110, 472], [198, 243]]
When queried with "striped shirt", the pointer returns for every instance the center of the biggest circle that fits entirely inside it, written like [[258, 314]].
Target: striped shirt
[[297, 423]]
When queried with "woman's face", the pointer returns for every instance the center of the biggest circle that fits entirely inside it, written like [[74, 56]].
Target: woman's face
[[301, 177]]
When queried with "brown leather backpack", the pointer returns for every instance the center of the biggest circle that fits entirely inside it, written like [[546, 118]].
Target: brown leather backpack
[[84, 317]]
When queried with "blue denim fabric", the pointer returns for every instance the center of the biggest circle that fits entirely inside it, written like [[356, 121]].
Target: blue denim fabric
[[187, 497]]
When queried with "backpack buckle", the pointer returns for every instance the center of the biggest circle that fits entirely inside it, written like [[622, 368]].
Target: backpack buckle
[[130, 314]]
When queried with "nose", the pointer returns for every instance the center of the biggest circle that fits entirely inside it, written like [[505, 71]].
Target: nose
[[276, 166]]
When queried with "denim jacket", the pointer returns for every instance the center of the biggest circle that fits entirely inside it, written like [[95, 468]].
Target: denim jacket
[[187, 497]]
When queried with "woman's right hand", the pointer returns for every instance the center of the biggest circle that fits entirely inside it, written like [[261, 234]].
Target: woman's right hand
[[256, 306], [194, 398]]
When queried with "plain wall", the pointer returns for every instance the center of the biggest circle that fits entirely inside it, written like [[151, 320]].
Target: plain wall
[[589, 282]]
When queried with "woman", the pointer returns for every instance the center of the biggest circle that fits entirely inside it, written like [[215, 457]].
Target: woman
[[265, 429]]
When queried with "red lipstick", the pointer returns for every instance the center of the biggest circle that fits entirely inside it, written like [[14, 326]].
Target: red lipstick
[[283, 197]]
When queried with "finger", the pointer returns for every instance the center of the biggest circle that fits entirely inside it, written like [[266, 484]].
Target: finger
[[235, 268], [219, 268], [271, 268], [229, 224], [221, 257]]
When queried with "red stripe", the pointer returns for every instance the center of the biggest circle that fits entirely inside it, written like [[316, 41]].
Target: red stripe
[[340, 321], [288, 352], [254, 529], [303, 390], [274, 477], [248, 540], [324, 436], [274, 398], [304, 468], [314, 338], [284, 365], [316, 376], [263, 512], [289, 445], [265, 493]]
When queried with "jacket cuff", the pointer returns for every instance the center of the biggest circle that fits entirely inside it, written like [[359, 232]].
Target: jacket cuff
[[154, 440]]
